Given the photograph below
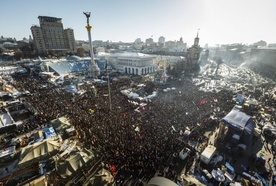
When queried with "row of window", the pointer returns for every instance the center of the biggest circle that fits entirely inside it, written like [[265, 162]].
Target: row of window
[[133, 60], [136, 70], [139, 64]]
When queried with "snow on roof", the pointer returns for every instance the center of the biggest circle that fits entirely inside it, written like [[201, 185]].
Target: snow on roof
[[103, 54], [132, 54]]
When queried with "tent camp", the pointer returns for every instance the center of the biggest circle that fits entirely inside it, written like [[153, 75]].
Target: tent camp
[[240, 123], [37, 152], [72, 164]]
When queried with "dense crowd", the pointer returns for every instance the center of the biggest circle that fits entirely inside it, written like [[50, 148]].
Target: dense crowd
[[134, 142]]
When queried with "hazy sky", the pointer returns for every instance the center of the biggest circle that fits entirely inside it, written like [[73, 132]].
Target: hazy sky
[[219, 21]]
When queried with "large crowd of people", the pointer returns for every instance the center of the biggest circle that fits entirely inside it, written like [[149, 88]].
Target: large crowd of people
[[136, 143]]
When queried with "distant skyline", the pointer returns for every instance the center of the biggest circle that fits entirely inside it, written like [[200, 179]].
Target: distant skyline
[[219, 21]]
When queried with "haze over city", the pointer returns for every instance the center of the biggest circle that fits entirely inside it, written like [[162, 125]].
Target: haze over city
[[220, 22]]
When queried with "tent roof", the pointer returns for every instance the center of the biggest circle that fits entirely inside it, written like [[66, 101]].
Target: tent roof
[[73, 163], [38, 134], [160, 181], [34, 153], [60, 124], [75, 66], [41, 181], [103, 177], [239, 121]]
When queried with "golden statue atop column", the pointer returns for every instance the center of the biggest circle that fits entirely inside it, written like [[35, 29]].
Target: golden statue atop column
[[93, 68]]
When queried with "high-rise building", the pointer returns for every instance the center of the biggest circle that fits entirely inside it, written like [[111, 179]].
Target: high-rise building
[[138, 41], [70, 38], [161, 40], [50, 36], [149, 41], [39, 43]]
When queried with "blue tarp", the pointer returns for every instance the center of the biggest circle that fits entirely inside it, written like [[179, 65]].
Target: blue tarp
[[49, 132], [71, 88], [265, 183], [240, 122], [230, 168], [240, 98]]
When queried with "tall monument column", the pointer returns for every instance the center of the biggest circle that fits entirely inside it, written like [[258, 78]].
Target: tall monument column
[[93, 68]]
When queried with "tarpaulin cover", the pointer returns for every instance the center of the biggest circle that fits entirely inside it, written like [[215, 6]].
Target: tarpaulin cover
[[60, 124], [72, 164], [161, 181], [49, 132], [37, 152], [239, 122]]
